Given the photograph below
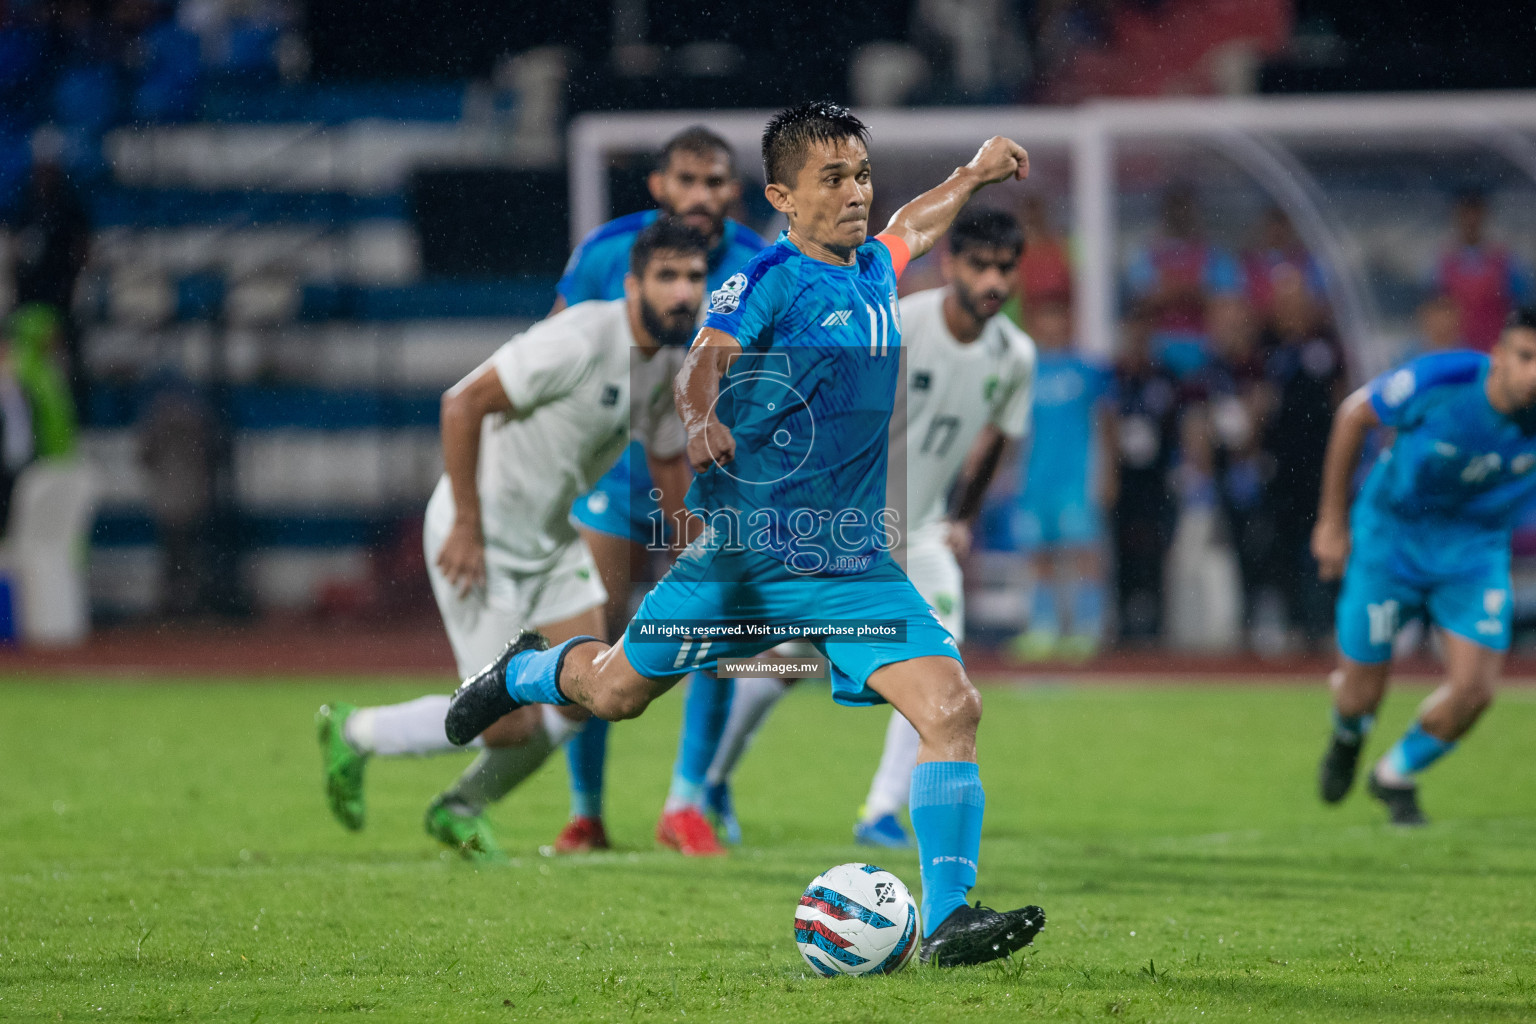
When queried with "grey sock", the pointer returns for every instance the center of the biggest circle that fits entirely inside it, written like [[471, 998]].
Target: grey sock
[[498, 771]]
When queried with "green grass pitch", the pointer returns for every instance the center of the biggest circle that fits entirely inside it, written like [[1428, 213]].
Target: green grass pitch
[[165, 855]]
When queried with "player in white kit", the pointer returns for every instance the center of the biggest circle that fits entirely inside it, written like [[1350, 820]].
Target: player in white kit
[[524, 434], [969, 378]]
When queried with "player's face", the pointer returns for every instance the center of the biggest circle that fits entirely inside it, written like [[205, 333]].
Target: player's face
[[829, 203], [982, 278], [699, 188], [671, 291], [1514, 367]]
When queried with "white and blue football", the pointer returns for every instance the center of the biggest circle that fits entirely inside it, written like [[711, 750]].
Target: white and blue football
[[857, 919]]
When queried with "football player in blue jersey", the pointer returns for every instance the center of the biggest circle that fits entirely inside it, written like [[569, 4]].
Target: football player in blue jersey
[[695, 180], [787, 397], [1428, 533]]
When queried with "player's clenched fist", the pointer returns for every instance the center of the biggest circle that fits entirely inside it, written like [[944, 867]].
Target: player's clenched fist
[[999, 159], [710, 446], [1330, 546], [462, 558]]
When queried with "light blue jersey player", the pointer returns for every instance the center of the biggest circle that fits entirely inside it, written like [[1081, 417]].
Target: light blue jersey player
[[1428, 533], [695, 180], [1056, 518], [787, 397]]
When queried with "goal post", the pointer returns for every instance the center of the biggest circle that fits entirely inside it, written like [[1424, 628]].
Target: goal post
[[1364, 180]]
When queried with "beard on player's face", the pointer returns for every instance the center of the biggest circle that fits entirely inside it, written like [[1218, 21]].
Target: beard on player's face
[[670, 325], [709, 222], [980, 303]]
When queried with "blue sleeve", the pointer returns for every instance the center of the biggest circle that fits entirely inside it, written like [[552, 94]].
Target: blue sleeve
[[749, 302], [1394, 392], [1222, 274], [584, 276]]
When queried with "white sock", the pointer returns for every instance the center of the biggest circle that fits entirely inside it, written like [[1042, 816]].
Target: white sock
[[750, 702], [500, 770], [893, 779], [415, 727], [556, 726]]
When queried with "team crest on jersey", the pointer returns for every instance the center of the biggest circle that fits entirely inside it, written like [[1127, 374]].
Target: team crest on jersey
[[728, 296], [610, 395], [989, 389], [1398, 388], [922, 380]]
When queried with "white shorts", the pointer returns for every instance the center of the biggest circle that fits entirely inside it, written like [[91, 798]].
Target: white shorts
[[934, 572], [480, 623]]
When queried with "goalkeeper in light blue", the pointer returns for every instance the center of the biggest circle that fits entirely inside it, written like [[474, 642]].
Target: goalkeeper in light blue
[[1428, 533], [787, 396]]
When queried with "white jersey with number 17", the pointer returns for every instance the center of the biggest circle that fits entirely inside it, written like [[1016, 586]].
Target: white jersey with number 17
[[953, 391]]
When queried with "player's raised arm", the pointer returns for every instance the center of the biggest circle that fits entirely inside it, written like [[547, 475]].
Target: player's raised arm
[[1355, 419], [464, 407], [921, 222], [697, 387]]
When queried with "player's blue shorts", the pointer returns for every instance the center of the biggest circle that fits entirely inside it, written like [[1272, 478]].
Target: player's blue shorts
[[1398, 568], [709, 586], [1055, 517], [620, 504]]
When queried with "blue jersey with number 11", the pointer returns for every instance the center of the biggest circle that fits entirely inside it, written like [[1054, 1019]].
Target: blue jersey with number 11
[[809, 404]]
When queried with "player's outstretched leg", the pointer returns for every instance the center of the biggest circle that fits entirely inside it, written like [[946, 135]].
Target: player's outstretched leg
[[683, 826], [1445, 716], [947, 802], [1357, 692], [878, 824], [582, 670]]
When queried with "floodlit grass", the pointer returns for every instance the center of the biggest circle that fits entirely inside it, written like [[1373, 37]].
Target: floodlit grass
[[165, 854]]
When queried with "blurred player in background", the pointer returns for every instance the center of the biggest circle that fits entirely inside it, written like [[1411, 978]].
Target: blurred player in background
[[1429, 532], [792, 457], [1066, 478], [523, 434], [969, 373], [1484, 279], [695, 181]]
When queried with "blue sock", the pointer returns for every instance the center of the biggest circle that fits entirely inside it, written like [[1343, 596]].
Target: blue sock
[[1352, 728], [705, 710], [532, 677], [1042, 608], [946, 809], [1087, 608], [585, 755], [1416, 751]]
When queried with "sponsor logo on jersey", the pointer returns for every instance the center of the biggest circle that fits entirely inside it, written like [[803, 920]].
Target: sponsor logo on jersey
[[1398, 388], [728, 296], [611, 395], [837, 318], [922, 380], [989, 389]]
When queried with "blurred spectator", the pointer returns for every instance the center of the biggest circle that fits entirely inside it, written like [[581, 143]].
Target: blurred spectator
[[1145, 440], [1439, 322], [165, 61], [1278, 246], [35, 347], [1305, 367], [1175, 276], [1058, 515], [981, 52], [51, 243], [1483, 278], [1045, 270], [17, 442], [1235, 399], [176, 449]]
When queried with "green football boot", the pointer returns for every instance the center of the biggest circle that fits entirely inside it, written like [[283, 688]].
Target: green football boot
[[343, 766], [469, 835]]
